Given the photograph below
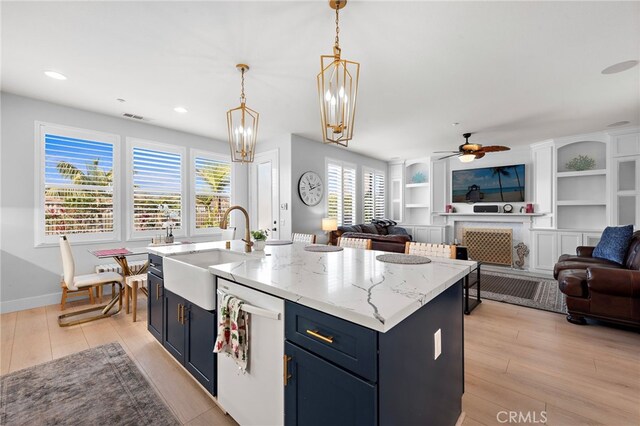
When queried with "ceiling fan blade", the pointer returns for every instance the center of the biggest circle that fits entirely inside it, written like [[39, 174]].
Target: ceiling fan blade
[[494, 148], [478, 154], [444, 152], [448, 156]]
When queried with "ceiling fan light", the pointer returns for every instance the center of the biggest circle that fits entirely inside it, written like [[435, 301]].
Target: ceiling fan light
[[467, 158]]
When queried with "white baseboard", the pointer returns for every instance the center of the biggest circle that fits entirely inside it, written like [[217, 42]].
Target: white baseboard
[[29, 302], [36, 301]]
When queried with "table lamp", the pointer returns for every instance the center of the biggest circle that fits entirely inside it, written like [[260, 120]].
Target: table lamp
[[329, 224]]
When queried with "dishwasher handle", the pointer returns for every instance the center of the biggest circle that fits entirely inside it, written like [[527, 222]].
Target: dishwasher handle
[[250, 309]]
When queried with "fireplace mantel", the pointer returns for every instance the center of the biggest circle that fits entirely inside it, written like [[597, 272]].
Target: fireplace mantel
[[492, 217]]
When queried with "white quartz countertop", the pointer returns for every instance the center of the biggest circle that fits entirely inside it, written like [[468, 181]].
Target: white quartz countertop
[[350, 284]]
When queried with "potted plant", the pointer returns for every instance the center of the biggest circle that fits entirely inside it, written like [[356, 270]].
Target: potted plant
[[259, 239]]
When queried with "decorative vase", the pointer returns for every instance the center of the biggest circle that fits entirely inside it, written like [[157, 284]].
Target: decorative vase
[[259, 245]]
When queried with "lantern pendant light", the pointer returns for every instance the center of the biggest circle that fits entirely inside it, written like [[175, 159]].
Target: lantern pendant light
[[242, 123], [337, 90]]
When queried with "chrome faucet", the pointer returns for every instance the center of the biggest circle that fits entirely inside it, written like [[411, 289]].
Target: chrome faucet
[[247, 232]]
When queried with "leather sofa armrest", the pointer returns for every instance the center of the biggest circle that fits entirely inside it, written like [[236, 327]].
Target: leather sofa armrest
[[614, 282], [585, 251]]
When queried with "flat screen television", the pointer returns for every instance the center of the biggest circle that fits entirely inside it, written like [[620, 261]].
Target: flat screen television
[[489, 185]]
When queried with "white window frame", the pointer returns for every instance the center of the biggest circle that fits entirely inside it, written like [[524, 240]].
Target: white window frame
[[343, 165], [42, 128], [195, 153], [375, 172], [133, 235]]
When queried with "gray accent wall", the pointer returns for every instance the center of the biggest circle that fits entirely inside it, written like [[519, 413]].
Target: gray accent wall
[[308, 155], [30, 276]]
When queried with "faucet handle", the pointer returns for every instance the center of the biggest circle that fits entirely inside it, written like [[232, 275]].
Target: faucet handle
[[250, 243]]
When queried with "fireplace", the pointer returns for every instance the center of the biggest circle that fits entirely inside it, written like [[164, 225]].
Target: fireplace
[[489, 245]]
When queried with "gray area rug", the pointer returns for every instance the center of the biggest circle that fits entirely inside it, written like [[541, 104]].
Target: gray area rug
[[98, 386], [532, 292]]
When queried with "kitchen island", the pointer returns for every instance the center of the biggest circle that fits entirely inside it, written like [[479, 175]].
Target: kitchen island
[[363, 342]]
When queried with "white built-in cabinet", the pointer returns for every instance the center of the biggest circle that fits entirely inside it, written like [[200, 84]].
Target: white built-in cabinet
[[548, 245], [396, 191], [428, 234], [626, 178]]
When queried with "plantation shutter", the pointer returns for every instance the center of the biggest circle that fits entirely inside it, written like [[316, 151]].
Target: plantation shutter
[[349, 196], [334, 191], [157, 189], [341, 193], [369, 204], [374, 195], [212, 191], [379, 195], [78, 186]]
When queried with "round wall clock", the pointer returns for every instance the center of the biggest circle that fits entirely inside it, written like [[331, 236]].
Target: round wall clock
[[507, 208], [310, 188]]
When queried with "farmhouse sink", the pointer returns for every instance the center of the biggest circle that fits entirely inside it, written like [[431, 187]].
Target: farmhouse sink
[[187, 275]]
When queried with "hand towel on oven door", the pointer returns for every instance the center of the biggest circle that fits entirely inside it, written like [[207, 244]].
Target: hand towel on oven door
[[233, 331]]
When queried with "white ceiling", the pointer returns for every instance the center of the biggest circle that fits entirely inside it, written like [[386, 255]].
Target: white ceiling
[[514, 72]]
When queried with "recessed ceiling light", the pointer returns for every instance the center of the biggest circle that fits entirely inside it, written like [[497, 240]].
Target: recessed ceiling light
[[619, 67], [181, 110], [618, 123], [55, 75], [455, 124], [121, 100]]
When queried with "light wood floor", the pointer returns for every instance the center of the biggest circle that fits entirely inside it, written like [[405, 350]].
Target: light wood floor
[[517, 359]]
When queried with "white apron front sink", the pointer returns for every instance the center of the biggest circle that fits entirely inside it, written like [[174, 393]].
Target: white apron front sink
[[188, 276]]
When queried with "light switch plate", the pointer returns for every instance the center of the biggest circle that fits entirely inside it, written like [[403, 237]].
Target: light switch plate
[[437, 344]]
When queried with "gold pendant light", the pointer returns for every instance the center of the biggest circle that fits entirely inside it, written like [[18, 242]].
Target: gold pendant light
[[242, 123], [337, 90]]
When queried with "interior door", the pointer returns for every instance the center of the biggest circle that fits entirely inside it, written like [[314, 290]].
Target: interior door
[[264, 193]]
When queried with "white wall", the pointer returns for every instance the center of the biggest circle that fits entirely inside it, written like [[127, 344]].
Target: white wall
[[30, 276], [308, 155]]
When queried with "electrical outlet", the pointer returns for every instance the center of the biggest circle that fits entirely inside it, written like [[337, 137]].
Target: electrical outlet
[[437, 344]]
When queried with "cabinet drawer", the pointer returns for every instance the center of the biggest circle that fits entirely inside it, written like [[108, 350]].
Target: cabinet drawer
[[348, 345], [155, 264]]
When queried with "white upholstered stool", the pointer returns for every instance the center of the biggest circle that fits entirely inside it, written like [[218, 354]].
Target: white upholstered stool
[[132, 284]]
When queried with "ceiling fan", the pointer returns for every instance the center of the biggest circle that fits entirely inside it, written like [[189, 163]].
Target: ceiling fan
[[468, 152]]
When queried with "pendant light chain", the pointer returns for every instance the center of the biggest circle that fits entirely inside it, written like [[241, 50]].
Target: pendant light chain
[[242, 97], [337, 43]]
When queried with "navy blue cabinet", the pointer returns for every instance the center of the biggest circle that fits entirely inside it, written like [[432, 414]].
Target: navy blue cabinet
[[320, 393], [340, 373], [200, 360], [155, 299], [190, 334], [174, 329]]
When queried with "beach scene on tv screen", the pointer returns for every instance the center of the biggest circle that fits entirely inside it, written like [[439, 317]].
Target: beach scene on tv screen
[[489, 185]]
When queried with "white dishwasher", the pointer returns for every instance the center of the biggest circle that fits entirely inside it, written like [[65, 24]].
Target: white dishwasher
[[255, 397]]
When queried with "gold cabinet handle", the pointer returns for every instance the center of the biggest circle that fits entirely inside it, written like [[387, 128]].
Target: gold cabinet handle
[[316, 334], [179, 313], [157, 291], [287, 376], [183, 315]]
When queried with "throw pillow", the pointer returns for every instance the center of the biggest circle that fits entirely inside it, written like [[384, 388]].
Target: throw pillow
[[614, 243], [369, 229]]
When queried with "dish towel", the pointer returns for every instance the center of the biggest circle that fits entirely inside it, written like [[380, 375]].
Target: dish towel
[[233, 331]]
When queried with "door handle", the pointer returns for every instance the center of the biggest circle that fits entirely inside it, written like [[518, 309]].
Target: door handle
[[286, 376]]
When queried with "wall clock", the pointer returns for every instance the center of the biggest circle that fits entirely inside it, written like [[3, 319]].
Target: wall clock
[[507, 208], [310, 188]]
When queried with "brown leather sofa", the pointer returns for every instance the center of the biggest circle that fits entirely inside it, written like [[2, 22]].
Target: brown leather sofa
[[601, 289], [383, 238]]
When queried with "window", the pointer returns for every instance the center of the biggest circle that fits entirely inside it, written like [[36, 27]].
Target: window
[[374, 195], [76, 193], [341, 192], [157, 186], [210, 190]]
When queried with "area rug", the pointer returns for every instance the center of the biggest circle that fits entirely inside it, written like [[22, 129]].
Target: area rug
[[532, 292], [99, 386]]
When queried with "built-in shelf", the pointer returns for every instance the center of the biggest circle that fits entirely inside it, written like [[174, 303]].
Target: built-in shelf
[[417, 206], [582, 173], [417, 185], [581, 203]]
